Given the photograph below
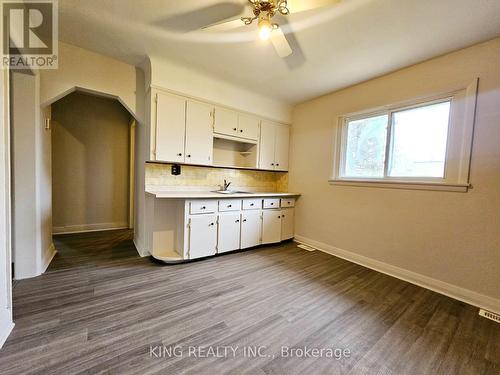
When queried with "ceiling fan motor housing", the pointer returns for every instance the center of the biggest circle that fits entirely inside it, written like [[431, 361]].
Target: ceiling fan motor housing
[[269, 7]]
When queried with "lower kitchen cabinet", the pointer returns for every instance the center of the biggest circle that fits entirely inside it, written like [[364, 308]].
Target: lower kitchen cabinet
[[287, 223], [251, 229], [185, 229], [229, 228], [271, 226], [202, 236]]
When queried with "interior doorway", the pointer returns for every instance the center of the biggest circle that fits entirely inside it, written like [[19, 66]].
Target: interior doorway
[[92, 164]]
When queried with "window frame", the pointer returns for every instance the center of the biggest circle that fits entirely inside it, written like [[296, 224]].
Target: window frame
[[458, 144]]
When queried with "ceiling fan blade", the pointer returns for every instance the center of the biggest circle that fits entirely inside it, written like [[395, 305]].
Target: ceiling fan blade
[[280, 43], [296, 6], [229, 24]]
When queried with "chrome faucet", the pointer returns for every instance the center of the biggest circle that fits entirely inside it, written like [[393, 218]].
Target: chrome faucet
[[226, 185]]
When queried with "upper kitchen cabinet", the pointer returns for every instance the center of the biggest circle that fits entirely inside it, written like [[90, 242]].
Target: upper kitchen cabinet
[[248, 127], [199, 133], [282, 147], [192, 131], [170, 127], [183, 130], [234, 124], [274, 146], [267, 145], [226, 122]]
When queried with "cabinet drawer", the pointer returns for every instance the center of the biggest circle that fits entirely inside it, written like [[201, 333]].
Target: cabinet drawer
[[229, 205], [288, 202], [202, 207], [271, 203], [252, 204]]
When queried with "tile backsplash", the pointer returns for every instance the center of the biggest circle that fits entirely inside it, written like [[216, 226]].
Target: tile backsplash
[[210, 178]]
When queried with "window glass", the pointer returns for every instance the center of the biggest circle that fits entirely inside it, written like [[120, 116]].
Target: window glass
[[366, 144], [419, 138]]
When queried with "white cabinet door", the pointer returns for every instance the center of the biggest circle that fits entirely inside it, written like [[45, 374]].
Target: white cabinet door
[[282, 147], [226, 122], [271, 226], [248, 127], [202, 236], [170, 127], [251, 227], [267, 144], [229, 232], [199, 133], [287, 223]]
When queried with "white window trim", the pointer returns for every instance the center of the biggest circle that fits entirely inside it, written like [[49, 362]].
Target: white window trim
[[458, 181]]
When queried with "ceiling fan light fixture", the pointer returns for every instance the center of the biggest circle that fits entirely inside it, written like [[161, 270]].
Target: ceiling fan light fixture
[[265, 28]]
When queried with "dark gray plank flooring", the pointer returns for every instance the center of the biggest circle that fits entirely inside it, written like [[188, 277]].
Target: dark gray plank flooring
[[101, 309]]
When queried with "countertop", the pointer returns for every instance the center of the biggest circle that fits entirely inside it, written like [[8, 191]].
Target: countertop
[[212, 195]]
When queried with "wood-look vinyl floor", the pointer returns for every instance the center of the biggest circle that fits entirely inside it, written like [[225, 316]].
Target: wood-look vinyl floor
[[101, 309]]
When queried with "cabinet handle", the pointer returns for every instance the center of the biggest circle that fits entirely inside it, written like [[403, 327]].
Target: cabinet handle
[[244, 220], [212, 224], [272, 163], [229, 206], [272, 204], [188, 156], [282, 215], [279, 217], [251, 204], [179, 154], [237, 221], [235, 129], [241, 131], [277, 164], [204, 208]]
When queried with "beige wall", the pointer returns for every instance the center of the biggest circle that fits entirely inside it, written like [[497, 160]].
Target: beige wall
[[91, 71], [212, 178], [452, 240], [6, 324], [25, 245], [190, 82], [90, 163]]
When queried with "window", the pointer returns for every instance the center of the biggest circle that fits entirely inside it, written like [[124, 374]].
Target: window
[[419, 138], [425, 144]]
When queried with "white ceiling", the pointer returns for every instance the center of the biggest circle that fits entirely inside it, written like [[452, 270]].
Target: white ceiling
[[341, 45]]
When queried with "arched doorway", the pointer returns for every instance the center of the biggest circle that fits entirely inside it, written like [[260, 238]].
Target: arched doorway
[[92, 140]]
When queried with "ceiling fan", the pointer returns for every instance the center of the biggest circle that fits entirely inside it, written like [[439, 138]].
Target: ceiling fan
[[264, 12]]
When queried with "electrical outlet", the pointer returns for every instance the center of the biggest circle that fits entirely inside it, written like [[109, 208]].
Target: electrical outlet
[[176, 169]]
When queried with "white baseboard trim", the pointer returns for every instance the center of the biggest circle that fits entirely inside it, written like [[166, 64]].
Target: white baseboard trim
[[49, 254], [5, 331], [82, 228], [450, 290]]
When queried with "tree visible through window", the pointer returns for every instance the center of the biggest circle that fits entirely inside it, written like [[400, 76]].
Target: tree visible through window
[[366, 143]]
